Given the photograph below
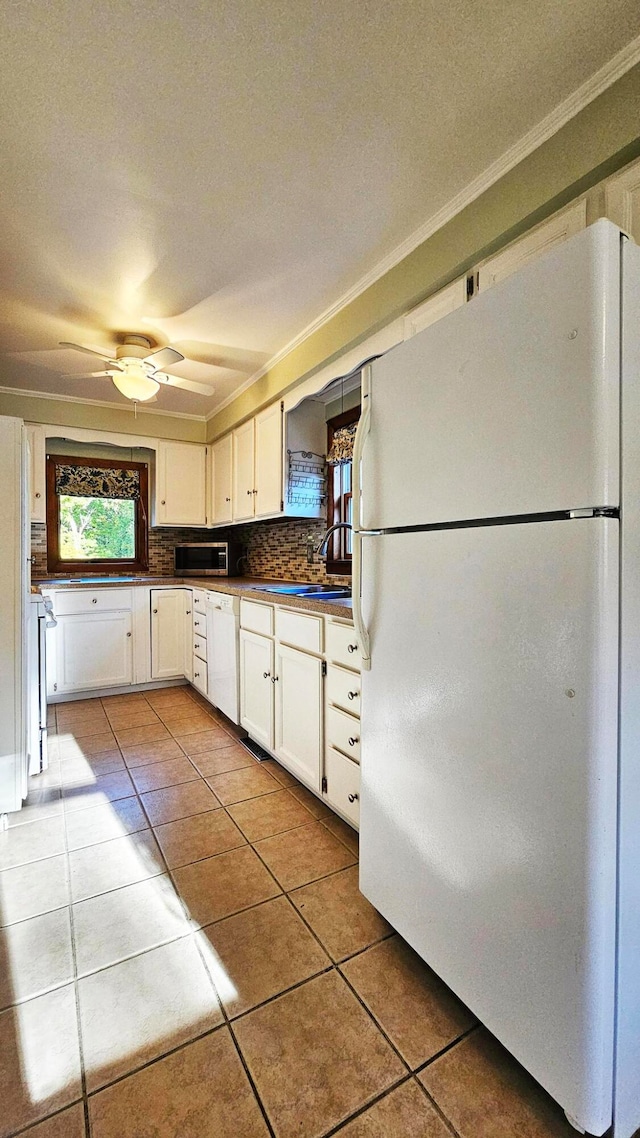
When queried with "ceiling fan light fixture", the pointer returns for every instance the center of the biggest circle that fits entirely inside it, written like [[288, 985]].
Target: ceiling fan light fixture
[[134, 383]]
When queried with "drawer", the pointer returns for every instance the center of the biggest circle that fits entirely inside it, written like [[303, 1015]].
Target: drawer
[[343, 785], [343, 689], [199, 675], [199, 600], [343, 733], [256, 618], [92, 600], [200, 647], [342, 645], [199, 623], [299, 630]]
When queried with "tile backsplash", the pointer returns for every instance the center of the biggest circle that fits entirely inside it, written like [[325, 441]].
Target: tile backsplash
[[275, 549]]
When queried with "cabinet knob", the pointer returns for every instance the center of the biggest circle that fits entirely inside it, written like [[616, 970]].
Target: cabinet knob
[[38, 494], [274, 679], [197, 623], [353, 694], [353, 797], [352, 647], [128, 634], [254, 491], [227, 499], [197, 675], [353, 740], [188, 612], [163, 503], [249, 491], [94, 600], [155, 610], [266, 675]]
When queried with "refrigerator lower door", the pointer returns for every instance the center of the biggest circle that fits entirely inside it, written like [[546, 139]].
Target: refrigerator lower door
[[489, 780]]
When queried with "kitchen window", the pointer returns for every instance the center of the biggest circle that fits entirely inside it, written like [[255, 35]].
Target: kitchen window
[[340, 497], [96, 515]]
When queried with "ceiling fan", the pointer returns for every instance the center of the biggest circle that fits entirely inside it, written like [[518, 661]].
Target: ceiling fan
[[138, 372]]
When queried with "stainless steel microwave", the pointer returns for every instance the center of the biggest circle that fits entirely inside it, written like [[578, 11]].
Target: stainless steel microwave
[[207, 559]]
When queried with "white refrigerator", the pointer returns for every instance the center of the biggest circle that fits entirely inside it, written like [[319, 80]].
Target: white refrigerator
[[15, 579], [497, 593]]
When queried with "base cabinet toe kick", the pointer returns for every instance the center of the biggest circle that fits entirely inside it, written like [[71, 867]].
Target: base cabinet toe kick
[[290, 678]]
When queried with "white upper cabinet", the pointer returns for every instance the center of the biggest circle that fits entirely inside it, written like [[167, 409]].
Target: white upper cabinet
[[268, 461], [243, 469], [437, 306], [539, 240], [180, 488], [221, 481], [37, 449], [257, 466], [622, 200]]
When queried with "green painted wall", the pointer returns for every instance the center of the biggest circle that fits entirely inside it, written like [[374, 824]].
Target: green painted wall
[[601, 139], [58, 412]]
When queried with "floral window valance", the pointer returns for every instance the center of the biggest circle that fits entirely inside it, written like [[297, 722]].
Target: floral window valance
[[97, 481], [342, 445]]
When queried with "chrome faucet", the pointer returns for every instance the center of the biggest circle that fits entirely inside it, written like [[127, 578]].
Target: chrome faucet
[[322, 547]]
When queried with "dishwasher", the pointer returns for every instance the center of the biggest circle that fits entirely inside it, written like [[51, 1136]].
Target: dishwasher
[[223, 617]]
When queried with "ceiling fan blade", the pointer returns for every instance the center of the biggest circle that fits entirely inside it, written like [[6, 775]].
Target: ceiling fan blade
[[90, 352], [89, 374], [164, 357], [185, 384]]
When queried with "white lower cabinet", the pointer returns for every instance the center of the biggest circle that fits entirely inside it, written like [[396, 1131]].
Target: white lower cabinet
[[93, 650], [256, 687], [168, 633], [298, 713], [342, 784]]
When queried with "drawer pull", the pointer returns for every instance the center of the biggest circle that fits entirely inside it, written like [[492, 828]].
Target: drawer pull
[[353, 739], [188, 612], [196, 674], [227, 499], [353, 694], [94, 600], [155, 610], [352, 647], [266, 675], [353, 797], [128, 634], [197, 623]]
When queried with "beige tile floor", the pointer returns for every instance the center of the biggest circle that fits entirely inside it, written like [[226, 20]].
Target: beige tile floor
[[184, 953]]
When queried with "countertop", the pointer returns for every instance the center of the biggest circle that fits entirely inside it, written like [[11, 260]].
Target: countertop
[[250, 587]]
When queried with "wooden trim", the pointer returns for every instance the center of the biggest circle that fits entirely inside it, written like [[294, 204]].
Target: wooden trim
[[336, 562], [55, 563]]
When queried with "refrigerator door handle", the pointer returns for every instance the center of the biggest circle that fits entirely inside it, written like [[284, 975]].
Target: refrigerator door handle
[[362, 431]]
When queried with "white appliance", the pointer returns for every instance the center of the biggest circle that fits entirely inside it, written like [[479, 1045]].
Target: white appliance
[[223, 615], [41, 618], [498, 564], [14, 594]]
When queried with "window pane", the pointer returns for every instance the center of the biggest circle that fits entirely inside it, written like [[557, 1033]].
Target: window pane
[[97, 527]]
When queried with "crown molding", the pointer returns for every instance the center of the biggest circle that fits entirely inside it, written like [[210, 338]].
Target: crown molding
[[607, 75], [142, 410]]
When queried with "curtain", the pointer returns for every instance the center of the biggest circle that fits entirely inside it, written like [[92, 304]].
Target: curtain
[[342, 445], [97, 481]]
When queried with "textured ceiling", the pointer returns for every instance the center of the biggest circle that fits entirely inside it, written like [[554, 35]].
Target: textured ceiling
[[217, 174]]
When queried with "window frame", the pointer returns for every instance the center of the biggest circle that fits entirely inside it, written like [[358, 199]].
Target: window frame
[[339, 561], [137, 564]]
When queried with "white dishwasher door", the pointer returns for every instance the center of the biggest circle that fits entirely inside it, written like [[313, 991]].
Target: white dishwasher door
[[222, 652]]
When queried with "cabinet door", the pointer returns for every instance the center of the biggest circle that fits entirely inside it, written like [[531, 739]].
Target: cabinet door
[[180, 497], [37, 447], [298, 709], [188, 634], [243, 481], [221, 481], [268, 461], [256, 688], [168, 633], [544, 237], [622, 198], [93, 650]]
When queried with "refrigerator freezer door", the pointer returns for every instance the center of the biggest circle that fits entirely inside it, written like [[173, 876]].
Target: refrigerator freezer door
[[508, 406], [488, 781]]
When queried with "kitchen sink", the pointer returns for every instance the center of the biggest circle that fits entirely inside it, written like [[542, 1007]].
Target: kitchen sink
[[329, 592]]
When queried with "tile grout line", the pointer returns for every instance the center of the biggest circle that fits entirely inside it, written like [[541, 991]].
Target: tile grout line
[[76, 989]]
